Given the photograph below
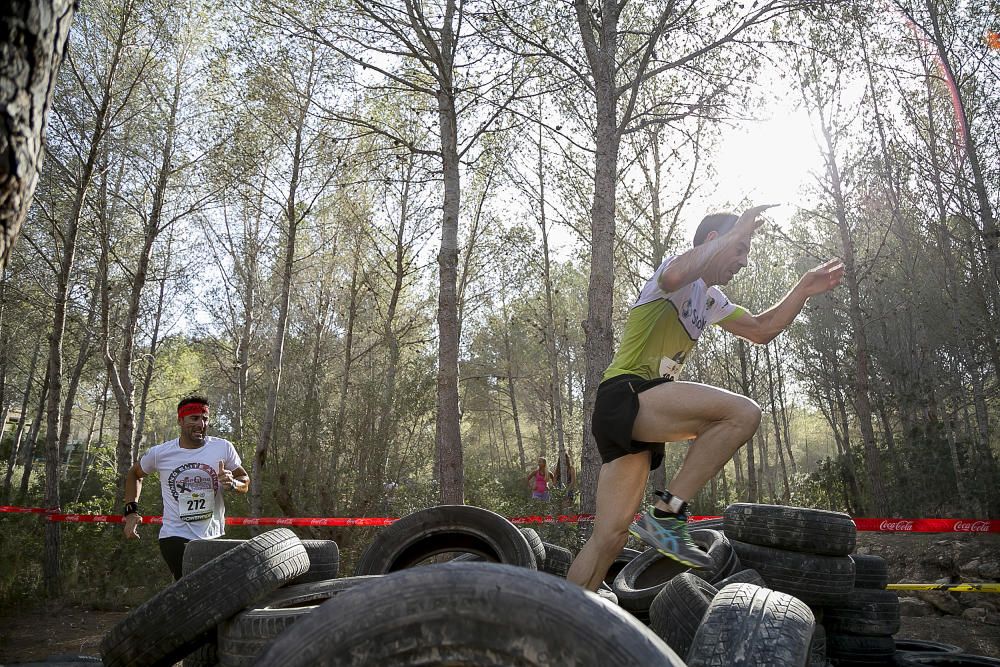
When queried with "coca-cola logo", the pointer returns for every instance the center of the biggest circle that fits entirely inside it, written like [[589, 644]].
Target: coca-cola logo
[[317, 522], [971, 526], [283, 522], [898, 525]]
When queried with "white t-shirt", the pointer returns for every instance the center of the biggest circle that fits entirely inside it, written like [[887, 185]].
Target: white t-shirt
[[189, 482]]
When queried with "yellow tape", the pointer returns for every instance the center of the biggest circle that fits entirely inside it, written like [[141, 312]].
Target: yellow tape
[[956, 588]]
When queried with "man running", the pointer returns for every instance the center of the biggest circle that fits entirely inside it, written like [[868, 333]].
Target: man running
[[194, 469], [641, 405]]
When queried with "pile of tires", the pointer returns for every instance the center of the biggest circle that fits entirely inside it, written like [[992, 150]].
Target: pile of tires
[[463, 585], [264, 601]]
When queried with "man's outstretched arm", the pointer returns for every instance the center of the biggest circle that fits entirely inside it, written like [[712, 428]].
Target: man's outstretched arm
[[765, 327]]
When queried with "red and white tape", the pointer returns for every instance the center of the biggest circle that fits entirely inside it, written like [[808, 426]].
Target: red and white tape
[[863, 524]]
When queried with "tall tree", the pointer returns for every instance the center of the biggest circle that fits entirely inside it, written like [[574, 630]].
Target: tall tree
[[428, 51]]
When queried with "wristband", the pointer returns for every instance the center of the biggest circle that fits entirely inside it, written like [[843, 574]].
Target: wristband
[[131, 508]]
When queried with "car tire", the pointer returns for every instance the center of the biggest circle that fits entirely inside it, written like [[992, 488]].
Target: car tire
[[467, 613], [176, 620]]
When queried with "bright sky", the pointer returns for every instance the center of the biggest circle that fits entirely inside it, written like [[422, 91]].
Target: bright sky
[[765, 161]]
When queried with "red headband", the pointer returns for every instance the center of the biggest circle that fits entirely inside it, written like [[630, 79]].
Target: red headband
[[192, 409]]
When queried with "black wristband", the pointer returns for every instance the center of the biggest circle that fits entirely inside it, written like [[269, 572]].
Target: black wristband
[[131, 508]]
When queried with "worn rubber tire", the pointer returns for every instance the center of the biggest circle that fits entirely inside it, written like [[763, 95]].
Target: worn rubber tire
[[859, 649], [747, 625], [557, 560], [621, 560], [720, 550], [867, 611], [870, 571], [639, 582], [65, 661], [748, 576], [68, 659], [924, 646], [534, 541], [814, 579], [324, 557], [791, 528], [244, 637], [912, 659], [206, 655], [169, 625], [678, 608], [817, 647], [444, 529], [536, 544], [467, 613]]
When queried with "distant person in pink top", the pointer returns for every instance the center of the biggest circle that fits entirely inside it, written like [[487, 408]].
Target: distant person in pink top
[[539, 480]]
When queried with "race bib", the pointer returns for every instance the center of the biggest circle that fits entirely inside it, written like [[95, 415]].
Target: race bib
[[670, 369], [196, 505]]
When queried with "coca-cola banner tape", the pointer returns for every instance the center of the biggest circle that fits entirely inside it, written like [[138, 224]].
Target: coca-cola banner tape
[[863, 524], [928, 525]]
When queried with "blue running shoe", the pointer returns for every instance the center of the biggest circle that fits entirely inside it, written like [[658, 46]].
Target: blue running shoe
[[670, 537]]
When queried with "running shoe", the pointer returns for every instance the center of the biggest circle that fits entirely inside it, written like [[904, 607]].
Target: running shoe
[[670, 537]]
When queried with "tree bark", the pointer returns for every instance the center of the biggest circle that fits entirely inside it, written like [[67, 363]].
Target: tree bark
[[34, 39]]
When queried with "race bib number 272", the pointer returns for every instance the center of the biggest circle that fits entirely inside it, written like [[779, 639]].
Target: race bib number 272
[[196, 505]]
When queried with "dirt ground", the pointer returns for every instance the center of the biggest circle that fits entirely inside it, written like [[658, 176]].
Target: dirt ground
[[35, 634]]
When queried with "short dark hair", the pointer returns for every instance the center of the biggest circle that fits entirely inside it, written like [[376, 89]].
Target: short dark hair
[[715, 222], [193, 398]]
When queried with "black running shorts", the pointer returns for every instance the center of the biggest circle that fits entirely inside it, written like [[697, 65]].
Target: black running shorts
[[614, 414]]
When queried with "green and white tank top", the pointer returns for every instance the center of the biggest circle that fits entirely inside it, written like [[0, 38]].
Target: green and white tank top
[[663, 327]]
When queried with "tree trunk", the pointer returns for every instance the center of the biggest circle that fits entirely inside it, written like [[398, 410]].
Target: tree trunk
[[15, 445], [862, 404], [274, 362], [86, 463], [555, 384], [339, 430], [448, 434], [35, 34], [83, 356], [29, 447], [753, 490], [600, 301], [511, 390], [120, 370], [783, 409], [776, 424], [147, 375]]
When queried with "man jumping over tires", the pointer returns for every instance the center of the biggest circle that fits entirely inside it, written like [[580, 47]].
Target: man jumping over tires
[[194, 469], [641, 405]]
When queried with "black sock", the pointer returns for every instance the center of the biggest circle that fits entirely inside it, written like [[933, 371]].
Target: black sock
[[664, 514]]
